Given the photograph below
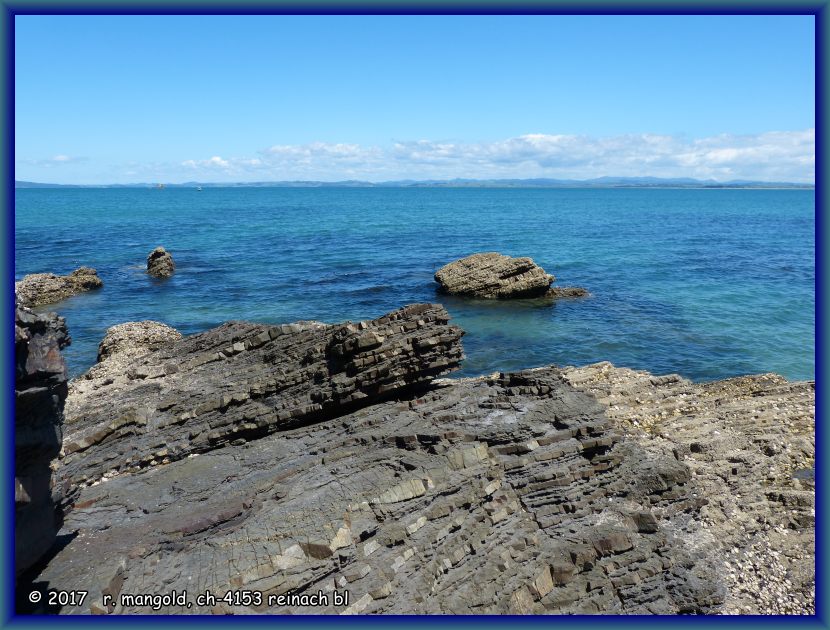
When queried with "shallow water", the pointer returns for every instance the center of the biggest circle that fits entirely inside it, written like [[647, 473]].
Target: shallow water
[[706, 283]]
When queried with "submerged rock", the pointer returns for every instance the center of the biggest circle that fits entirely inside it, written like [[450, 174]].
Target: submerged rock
[[494, 276], [40, 390], [331, 459], [160, 263], [566, 292], [37, 289]]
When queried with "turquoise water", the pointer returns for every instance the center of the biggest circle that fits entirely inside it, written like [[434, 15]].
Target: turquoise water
[[706, 283]]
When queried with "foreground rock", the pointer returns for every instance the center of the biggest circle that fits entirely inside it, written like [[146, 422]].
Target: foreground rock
[[38, 289], [40, 390], [242, 381], [749, 444], [330, 460], [160, 263]]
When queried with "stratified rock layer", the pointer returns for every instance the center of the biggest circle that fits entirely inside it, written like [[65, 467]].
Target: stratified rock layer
[[749, 443], [38, 289], [40, 390], [522, 493], [243, 380], [160, 263], [494, 276]]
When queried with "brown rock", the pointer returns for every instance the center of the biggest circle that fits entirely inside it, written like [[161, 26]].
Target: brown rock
[[494, 276], [160, 263], [38, 289]]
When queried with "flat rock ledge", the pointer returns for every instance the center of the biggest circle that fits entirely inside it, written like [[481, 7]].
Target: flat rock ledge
[[37, 289], [297, 459], [160, 263], [40, 391]]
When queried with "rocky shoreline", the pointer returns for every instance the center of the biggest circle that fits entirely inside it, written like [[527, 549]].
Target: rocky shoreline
[[311, 458]]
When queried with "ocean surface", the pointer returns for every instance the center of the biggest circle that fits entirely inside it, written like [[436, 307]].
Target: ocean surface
[[704, 283]]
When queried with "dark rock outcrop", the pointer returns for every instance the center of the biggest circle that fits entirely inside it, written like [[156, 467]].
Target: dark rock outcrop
[[243, 380], [160, 263], [38, 289], [299, 459], [40, 392]]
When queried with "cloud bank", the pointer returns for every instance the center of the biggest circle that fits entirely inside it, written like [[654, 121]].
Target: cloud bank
[[771, 156]]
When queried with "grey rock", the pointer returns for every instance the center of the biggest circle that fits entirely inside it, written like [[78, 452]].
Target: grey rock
[[525, 493], [40, 392], [160, 263], [37, 289], [243, 381]]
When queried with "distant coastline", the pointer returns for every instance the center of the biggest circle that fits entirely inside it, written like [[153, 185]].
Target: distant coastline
[[600, 182]]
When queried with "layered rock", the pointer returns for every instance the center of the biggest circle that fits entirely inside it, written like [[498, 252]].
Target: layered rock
[[308, 458], [37, 289], [160, 263], [495, 276], [749, 443], [40, 392], [244, 380]]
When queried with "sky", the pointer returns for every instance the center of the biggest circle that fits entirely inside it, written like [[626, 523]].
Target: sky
[[126, 99]]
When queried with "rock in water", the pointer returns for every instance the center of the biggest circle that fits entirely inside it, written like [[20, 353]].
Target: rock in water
[[244, 380], [566, 292], [40, 392], [160, 263], [493, 276], [37, 289]]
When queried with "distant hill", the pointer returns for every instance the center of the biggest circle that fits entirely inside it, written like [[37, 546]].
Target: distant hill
[[599, 182]]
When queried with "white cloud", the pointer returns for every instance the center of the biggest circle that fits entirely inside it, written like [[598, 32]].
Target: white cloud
[[770, 156], [56, 160], [211, 163]]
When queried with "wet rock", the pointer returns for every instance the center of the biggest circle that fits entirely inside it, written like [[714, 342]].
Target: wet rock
[[566, 292], [160, 263], [40, 391], [37, 289]]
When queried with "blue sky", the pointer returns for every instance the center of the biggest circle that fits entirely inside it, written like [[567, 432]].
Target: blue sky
[[118, 99]]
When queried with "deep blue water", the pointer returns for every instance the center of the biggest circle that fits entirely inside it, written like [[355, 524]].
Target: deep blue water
[[706, 283]]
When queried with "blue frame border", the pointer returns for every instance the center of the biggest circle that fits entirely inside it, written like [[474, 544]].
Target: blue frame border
[[8, 10]]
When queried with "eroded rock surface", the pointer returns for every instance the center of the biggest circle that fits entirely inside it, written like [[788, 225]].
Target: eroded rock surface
[[494, 276], [160, 263], [244, 380], [749, 443], [38, 289], [40, 391], [313, 458]]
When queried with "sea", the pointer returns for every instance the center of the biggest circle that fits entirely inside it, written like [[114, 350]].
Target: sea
[[706, 283]]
